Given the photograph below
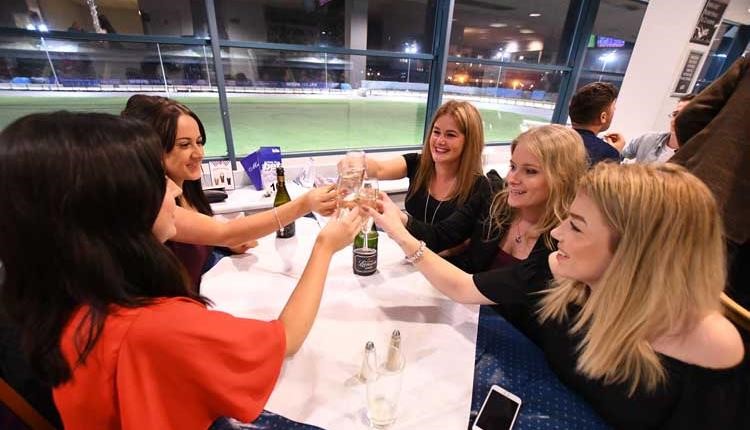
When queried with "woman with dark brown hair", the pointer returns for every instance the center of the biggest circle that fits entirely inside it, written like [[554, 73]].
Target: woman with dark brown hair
[[183, 138]]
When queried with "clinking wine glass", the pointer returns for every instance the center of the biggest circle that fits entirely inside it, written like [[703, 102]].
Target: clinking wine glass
[[368, 197], [351, 175]]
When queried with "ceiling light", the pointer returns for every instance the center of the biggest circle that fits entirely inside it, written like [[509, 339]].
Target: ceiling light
[[534, 14], [498, 25], [526, 31]]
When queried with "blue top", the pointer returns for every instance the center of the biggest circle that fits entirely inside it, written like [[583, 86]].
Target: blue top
[[597, 149]]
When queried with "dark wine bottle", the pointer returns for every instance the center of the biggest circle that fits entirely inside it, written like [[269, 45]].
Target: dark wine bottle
[[365, 260], [282, 196]]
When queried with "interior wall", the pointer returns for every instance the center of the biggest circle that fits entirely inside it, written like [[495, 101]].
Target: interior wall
[[646, 96]]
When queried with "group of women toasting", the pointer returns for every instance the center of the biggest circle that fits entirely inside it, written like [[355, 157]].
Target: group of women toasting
[[615, 272]]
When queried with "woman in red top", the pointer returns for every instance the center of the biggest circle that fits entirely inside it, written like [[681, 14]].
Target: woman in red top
[[106, 311]]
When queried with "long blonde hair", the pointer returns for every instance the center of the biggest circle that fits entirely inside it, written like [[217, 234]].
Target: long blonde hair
[[667, 270], [470, 168], [562, 156]]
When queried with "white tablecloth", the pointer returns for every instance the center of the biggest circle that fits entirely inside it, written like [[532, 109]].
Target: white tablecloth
[[316, 386]]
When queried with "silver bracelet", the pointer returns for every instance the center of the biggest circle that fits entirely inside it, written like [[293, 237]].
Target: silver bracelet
[[418, 254], [278, 221]]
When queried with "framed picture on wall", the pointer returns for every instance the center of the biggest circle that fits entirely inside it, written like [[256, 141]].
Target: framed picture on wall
[[687, 74], [708, 21]]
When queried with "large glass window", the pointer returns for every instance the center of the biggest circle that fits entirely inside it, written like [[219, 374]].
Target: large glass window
[[612, 40], [289, 72], [306, 102], [510, 30], [40, 74], [391, 25], [717, 60], [511, 100], [154, 17]]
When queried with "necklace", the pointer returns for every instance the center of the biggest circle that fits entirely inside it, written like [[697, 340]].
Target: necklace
[[519, 235], [426, 203]]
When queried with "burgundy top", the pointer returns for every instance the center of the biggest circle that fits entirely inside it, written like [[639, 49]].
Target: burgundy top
[[503, 259], [193, 257]]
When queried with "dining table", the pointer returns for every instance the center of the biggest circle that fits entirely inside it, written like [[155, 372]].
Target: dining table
[[453, 352]]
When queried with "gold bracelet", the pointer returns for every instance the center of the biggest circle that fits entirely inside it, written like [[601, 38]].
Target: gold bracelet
[[418, 254], [278, 221]]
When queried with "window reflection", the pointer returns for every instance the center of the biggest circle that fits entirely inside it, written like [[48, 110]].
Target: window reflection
[[510, 30], [41, 74], [144, 17], [511, 100], [357, 24], [611, 44]]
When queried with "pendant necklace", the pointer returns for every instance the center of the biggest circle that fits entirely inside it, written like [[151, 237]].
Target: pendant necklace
[[519, 236], [434, 214]]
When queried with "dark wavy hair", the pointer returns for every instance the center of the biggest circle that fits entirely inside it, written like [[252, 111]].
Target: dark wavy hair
[[163, 113], [81, 193]]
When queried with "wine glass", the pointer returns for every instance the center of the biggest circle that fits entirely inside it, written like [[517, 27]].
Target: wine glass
[[367, 197], [351, 174], [353, 160]]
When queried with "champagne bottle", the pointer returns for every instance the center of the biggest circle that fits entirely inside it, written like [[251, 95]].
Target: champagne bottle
[[282, 196], [365, 259]]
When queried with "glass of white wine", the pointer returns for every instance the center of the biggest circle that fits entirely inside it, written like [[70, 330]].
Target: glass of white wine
[[351, 175], [368, 197]]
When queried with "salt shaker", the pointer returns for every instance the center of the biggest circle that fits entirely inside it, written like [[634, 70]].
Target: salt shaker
[[369, 362], [394, 351]]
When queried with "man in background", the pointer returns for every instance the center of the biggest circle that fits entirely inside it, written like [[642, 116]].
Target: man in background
[[656, 147], [591, 111]]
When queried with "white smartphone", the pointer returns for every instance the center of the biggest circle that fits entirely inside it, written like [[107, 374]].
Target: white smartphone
[[499, 410]]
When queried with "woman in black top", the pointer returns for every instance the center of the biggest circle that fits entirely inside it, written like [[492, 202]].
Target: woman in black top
[[449, 169], [632, 322]]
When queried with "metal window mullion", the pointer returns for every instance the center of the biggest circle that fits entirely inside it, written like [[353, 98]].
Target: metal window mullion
[[106, 37], [208, 69], [587, 10], [49, 59], [440, 45], [163, 73], [213, 31]]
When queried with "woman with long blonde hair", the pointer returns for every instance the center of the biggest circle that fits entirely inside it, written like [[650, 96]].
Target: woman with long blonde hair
[[449, 169], [639, 273], [505, 229], [632, 320]]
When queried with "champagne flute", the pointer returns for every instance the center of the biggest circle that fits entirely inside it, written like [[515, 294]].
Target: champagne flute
[[367, 197], [351, 174], [354, 160]]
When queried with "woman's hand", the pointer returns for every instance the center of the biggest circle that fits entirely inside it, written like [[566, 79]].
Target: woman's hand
[[390, 218], [322, 199], [340, 232], [241, 248]]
